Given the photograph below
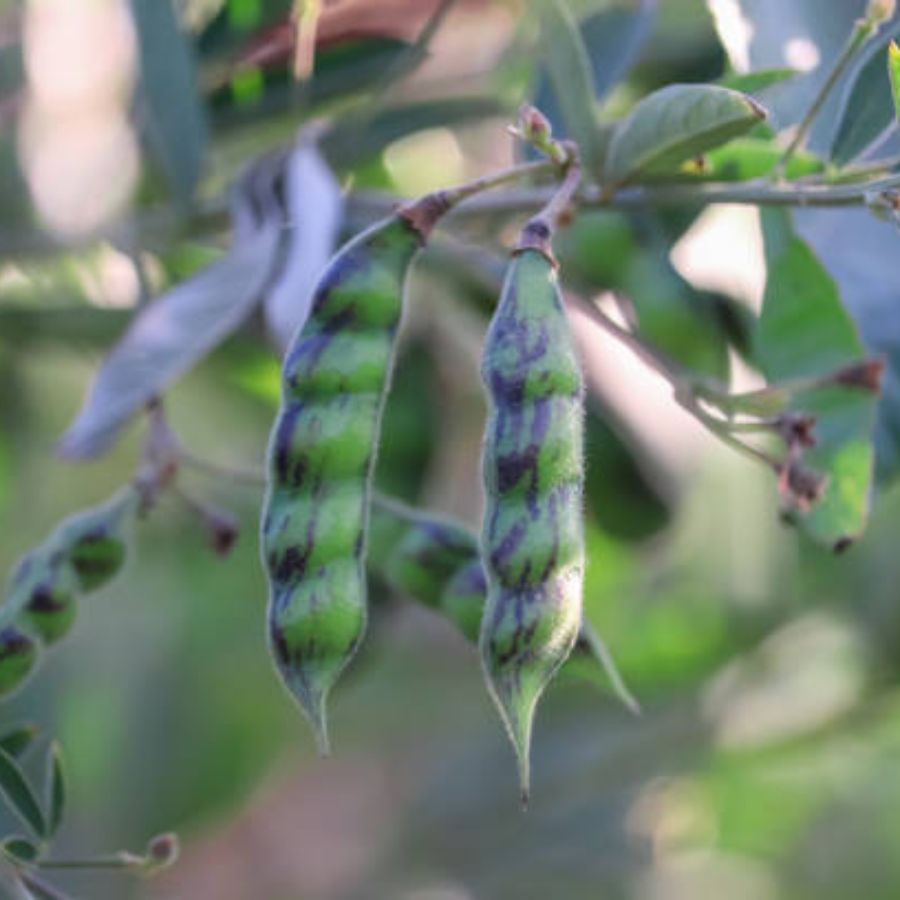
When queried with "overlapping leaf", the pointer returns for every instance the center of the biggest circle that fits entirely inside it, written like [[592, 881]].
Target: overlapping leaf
[[168, 336], [805, 331], [169, 106], [674, 124]]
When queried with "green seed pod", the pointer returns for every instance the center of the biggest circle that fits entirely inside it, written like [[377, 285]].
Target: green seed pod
[[83, 553], [18, 654], [322, 453], [452, 567], [51, 609], [532, 539], [97, 557], [464, 596], [427, 558]]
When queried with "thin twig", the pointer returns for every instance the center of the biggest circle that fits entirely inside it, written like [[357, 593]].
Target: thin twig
[[363, 207], [108, 862], [683, 388], [460, 193], [242, 473]]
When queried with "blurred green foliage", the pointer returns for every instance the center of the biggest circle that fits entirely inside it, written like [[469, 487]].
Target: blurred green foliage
[[764, 764]]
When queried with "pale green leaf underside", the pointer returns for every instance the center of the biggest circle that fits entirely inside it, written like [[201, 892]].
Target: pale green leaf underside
[[677, 123]]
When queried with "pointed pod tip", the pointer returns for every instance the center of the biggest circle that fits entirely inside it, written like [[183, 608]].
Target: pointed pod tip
[[313, 705], [519, 728]]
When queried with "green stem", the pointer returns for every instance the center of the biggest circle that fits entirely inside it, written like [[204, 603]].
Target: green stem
[[757, 193], [683, 389], [455, 195], [107, 862], [863, 30]]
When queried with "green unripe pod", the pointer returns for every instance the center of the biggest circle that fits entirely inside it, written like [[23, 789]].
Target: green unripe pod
[[463, 598], [322, 454], [532, 539], [427, 558], [50, 612], [421, 555], [83, 553], [18, 655], [97, 557]]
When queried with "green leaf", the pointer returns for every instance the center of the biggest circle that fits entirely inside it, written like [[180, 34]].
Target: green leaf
[[748, 157], [55, 788], [568, 67], [17, 740], [894, 75], [169, 105], [805, 331], [865, 111], [612, 38], [674, 124], [755, 82], [19, 796], [20, 849]]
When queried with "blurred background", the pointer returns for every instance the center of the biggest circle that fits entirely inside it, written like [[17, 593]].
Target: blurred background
[[764, 765]]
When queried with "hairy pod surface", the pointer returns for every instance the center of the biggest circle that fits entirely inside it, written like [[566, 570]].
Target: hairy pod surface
[[322, 454], [532, 538]]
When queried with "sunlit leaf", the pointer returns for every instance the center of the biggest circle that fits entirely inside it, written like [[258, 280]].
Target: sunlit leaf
[[674, 124], [894, 75], [804, 331], [747, 157], [19, 796]]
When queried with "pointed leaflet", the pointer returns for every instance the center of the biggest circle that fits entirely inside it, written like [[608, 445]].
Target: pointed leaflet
[[19, 848], [55, 787], [894, 75], [16, 740], [315, 210], [169, 107], [569, 70], [804, 330], [167, 337], [19, 796], [866, 110], [609, 42], [674, 124]]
